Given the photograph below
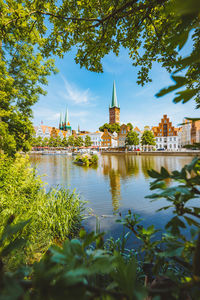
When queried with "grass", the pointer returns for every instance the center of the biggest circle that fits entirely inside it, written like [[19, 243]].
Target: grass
[[55, 215]]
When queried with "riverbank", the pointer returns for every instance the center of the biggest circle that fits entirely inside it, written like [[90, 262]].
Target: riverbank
[[154, 153]]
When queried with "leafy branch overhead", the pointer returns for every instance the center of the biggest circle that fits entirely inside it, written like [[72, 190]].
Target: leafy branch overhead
[[31, 32], [151, 31]]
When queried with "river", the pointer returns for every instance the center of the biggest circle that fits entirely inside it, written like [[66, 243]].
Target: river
[[119, 183]]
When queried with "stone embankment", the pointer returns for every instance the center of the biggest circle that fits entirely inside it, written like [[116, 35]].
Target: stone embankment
[[155, 153]]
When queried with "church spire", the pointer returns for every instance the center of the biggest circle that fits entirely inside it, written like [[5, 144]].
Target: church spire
[[60, 122], [66, 117], [114, 97]]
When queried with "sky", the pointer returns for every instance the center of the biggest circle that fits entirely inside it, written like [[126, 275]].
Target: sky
[[87, 95]]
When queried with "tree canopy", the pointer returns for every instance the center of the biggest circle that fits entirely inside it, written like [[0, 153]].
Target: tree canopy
[[130, 125], [148, 138], [31, 32], [88, 141], [111, 127], [132, 138]]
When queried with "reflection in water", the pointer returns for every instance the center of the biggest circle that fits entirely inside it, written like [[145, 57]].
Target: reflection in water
[[120, 181], [120, 167]]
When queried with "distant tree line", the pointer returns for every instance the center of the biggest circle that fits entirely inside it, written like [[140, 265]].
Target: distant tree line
[[115, 127], [58, 142]]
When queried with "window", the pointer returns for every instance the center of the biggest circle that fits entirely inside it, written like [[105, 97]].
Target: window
[[160, 139], [174, 139], [165, 121], [174, 145], [124, 131], [160, 130], [165, 129], [170, 139]]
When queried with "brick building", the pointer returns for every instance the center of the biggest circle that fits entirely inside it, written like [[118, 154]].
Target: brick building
[[114, 109], [166, 135]]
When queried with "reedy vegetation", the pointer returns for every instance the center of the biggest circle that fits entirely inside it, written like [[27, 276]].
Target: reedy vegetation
[[54, 215]]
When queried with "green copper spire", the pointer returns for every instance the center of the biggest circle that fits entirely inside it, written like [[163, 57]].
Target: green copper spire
[[114, 97], [60, 122], [66, 117]]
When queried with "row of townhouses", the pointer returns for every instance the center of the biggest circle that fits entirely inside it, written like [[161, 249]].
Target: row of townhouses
[[166, 135]]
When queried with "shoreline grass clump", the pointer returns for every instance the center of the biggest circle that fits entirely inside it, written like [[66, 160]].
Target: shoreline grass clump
[[54, 216]]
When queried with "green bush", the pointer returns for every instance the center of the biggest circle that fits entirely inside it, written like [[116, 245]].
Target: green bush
[[94, 159], [86, 160], [55, 215]]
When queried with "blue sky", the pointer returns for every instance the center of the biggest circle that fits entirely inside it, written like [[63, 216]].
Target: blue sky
[[88, 95]]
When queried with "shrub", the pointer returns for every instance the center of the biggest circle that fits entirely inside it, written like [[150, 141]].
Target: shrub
[[94, 159], [86, 160]]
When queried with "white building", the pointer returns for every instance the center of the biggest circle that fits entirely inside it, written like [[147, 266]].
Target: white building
[[171, 143], [47, 131], [186, 132], [95, 138], [114, 140], [167, 136]]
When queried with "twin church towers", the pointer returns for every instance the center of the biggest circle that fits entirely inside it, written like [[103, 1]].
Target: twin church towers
[[114, 109]]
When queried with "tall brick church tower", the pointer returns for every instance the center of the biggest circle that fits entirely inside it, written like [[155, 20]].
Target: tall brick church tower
[[114, 109]]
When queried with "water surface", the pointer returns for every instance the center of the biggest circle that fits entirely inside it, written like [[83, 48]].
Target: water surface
[[120, 182]]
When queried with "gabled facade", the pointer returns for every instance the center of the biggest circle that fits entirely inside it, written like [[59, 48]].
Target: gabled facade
[[124, 129], [114, 109], [47, 132], [166, 135], [108, 140]]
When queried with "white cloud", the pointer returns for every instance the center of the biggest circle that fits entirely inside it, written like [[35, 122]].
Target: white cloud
[[79, 114], [75, 94], [46, 114]]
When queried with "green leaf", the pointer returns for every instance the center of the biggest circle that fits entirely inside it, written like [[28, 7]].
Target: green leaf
[[191, 221], [11, 230], [154, 174], [174, 225], [180, 81], [185, 96], [13, 245], [193, 163]]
